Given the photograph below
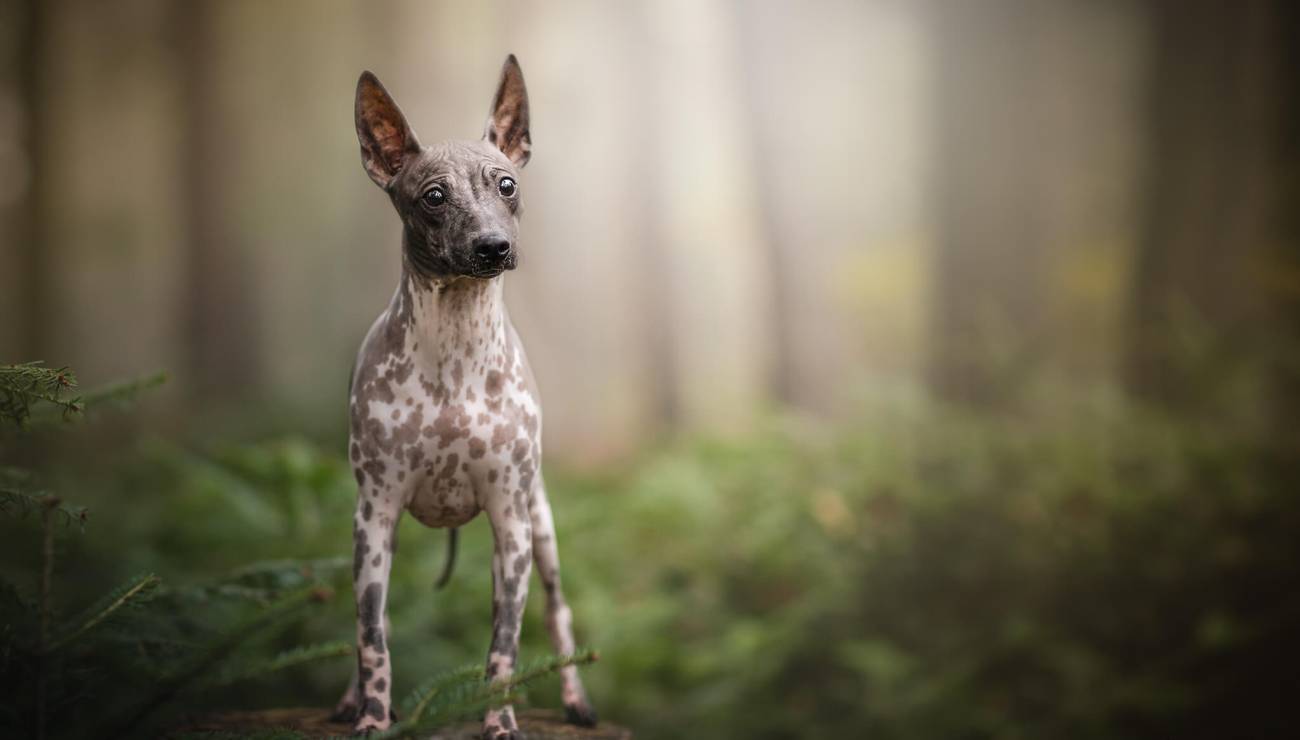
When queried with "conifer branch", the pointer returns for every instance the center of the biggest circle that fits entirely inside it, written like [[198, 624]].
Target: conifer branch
[[134, 592], [28, 384], [287, 659]]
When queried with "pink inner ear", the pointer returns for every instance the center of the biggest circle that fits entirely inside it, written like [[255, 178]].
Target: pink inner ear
[[391, 143]]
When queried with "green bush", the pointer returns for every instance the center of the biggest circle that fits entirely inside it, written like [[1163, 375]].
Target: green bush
[[1088, 570]]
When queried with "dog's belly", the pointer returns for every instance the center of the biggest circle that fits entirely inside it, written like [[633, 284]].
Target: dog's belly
[[444, 500]]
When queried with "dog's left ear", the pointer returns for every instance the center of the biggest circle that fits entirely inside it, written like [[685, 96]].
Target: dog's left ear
[[507, 123]]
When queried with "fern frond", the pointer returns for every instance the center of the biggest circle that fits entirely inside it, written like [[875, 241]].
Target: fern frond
[[133, 593], [286, 659]]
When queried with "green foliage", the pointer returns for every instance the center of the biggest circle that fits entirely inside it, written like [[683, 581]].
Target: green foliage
[[32, 384], [464, 692], [109, 669], [1077, 567], [133, 594]]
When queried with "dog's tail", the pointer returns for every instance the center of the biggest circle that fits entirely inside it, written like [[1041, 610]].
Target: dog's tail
[[452, 536]]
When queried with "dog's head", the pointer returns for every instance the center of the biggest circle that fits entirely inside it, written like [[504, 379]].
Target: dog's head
[[458, 200]]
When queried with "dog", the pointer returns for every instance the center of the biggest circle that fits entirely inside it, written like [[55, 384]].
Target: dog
[[445, 420]]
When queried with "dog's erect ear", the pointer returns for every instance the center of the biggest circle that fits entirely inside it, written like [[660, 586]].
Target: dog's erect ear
[[386, 140], [507, 123]]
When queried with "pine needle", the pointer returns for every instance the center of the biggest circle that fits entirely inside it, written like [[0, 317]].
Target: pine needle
[[463, 691], [213, 653], [20, 502], [287, 659], [124, 391], [31, 384], [134, 592]]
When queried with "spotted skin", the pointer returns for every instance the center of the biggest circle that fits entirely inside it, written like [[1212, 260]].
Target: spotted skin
[[444, 417]]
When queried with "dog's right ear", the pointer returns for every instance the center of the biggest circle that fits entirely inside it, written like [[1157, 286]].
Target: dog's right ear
[[386, 140]]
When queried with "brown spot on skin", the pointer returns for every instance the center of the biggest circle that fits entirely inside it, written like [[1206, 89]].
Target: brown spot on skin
[[452, 424], [449, 470], [494, 383], [503, 433], [492, 475], [375, 467], [356, 452], [360, 549], [477, 448], [366, 511], [372, 633]]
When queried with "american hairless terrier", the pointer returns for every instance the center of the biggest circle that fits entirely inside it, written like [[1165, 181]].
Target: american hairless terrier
[[445, 416]]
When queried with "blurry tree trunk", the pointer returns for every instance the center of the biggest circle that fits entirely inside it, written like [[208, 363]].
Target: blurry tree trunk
[[31, 260], [1216, 278], [1035, 141], [220, 335], [102, 217], [988, 261]]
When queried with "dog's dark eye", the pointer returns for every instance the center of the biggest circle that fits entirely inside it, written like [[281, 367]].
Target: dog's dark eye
[[507, 186], [434, 197]]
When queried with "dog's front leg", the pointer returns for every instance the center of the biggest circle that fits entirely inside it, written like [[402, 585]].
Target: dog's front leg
[[559, 618], [512, 558], [374, 541]]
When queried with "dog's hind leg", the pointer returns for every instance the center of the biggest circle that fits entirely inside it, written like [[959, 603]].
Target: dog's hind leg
[[559, 618]]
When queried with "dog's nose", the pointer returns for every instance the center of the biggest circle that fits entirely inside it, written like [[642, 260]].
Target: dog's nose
[[491, 248]]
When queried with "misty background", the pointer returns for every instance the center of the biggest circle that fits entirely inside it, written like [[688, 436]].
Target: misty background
[[732, 205], [913, 370]]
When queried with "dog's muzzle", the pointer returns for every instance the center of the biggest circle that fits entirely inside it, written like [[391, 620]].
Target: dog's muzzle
[[494, 255]]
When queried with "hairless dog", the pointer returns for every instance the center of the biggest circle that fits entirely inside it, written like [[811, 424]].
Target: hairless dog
[[445, 420]]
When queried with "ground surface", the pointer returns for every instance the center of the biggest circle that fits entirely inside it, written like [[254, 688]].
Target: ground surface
[[537, 724]]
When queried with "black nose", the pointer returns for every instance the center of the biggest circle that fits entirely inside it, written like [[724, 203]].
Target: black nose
[[491, 248]]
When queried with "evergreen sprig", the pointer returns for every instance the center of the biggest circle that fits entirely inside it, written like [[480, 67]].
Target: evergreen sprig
[[132, 594], [464, 691], [214, 652], [284, 660], [30, 384], [123, 392], [21, 503]]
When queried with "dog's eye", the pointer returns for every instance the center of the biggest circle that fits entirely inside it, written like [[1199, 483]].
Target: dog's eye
[[434, 197], [507, 187]]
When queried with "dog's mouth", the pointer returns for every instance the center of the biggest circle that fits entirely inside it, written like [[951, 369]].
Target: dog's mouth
[[490, 271]]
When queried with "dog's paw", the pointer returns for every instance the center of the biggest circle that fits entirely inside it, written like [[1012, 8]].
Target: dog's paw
[[345, 714], [368, 725], [500, 726], [581, 714], [368, 728]]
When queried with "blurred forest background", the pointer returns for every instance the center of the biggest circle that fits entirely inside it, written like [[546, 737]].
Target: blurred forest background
[[920, 368]]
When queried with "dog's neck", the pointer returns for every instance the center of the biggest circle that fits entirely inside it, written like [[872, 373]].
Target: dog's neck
[[454, 317]]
